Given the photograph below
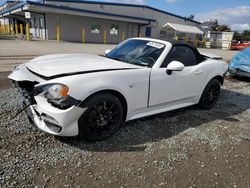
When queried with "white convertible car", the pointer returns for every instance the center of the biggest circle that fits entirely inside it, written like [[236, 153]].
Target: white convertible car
[[91, 96]]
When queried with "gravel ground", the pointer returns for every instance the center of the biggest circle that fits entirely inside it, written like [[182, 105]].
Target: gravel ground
[[183, 148]]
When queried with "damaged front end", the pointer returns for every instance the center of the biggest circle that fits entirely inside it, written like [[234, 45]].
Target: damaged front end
[[48, 105], [26, 88], [25, 84]]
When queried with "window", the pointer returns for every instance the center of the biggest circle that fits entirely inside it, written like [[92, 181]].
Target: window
[[148, 31], [137, 52], [183, 54], [95, 29], [114, 30], [40, 22], [33, 23], [163, 34]]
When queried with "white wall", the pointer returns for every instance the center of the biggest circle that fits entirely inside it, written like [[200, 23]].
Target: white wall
[[4, 21], [37, 27], [219, 40]]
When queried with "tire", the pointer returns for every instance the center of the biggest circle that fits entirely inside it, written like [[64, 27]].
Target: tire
[[102, 119], [210, 95]]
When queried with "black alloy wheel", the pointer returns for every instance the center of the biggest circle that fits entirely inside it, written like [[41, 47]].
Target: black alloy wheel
[[103, 117], [210, 95]]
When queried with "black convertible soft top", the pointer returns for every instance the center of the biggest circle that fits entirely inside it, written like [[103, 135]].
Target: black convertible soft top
[[199, 57], [183, 43]]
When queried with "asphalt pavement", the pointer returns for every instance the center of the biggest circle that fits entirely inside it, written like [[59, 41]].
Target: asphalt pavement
[[14, 52]]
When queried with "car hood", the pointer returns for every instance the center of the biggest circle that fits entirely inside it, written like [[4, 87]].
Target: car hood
[[70, 64]]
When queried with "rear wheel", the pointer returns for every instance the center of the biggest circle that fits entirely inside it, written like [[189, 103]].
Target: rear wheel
[[103, 117], [210, 95]]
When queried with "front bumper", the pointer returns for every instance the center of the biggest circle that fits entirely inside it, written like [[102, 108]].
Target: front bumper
[[52, 120], [239, 72]]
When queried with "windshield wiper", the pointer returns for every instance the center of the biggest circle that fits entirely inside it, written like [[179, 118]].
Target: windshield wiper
[[144, 65], [132, 63], [140, 64]]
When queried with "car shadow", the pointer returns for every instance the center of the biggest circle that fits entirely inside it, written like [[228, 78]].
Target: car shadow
[[135, 134]]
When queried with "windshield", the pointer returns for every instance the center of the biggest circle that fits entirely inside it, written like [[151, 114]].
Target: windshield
[[137, 52]]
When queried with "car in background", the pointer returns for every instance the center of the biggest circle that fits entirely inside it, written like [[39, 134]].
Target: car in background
[[240, 64], [91, 96], [239, 45]]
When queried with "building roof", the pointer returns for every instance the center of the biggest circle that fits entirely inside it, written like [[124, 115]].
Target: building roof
[[16, 6], [106, 3], [91, 13], [183, 28], [6, 2], [125, 5]]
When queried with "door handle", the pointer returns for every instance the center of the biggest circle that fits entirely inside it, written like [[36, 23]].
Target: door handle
[[198, 72]]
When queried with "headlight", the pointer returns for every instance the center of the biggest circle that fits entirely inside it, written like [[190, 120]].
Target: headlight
[[58, 91], [57, 95]]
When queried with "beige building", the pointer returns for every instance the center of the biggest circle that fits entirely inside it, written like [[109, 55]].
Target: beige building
[[220, 40]]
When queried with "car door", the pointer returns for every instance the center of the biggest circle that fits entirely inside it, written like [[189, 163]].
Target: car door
[[181, 87]]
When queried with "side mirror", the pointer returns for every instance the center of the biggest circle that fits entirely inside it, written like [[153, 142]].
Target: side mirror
[[107, 51], [175, 66]]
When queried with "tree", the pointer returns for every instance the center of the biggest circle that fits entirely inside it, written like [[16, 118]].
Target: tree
[[224, 28], [191, 17], [220, 27], [245, 35], [237, 36], [214, 27]]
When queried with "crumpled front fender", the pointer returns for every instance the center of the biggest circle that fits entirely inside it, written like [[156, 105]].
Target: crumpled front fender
[[20, 74]]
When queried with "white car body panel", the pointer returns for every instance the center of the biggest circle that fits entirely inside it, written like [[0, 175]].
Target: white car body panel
[[68, 119], [134, 88], [51, 65], [147, 91], [178, 86], [213, 56], [21, 73]]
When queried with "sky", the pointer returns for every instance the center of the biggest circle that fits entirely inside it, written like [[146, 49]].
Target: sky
[[234, 13]]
